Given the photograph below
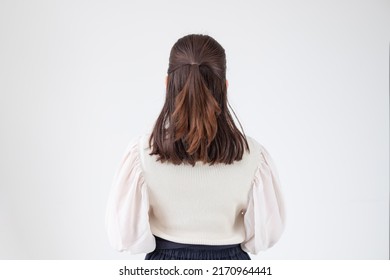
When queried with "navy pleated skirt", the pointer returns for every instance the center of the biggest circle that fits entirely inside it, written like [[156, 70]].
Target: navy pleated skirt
[[168, 250]]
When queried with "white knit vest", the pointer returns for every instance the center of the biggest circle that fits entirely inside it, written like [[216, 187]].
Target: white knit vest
[[199, 204]]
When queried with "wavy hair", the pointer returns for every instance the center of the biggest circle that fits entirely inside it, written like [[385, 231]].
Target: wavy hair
[[195, 123]]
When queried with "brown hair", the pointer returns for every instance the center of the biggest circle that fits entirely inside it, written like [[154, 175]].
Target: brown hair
[[195, 123]]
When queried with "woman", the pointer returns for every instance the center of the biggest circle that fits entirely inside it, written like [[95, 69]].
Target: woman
[[195, 187]]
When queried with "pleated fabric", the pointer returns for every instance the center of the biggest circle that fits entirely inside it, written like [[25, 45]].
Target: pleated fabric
[[168, 250]]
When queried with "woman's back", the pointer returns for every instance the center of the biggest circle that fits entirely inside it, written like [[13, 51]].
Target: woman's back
[[196, 179], [199, 204]]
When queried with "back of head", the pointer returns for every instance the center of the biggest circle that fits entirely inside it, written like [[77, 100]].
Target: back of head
[[195, 123]]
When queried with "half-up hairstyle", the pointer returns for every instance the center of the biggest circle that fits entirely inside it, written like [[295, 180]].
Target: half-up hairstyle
[[195, 123]]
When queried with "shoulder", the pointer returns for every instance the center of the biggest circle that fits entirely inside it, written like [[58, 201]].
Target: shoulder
[[133, 148], [254, 145], [140, 141], [138, 147], [265, 156], [260, 151]]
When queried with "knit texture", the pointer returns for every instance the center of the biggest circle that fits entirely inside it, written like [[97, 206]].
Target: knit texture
[[216, 205], [199, 204]]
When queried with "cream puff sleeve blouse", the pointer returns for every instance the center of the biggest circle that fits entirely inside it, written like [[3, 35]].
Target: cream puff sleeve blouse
[[212, 205]]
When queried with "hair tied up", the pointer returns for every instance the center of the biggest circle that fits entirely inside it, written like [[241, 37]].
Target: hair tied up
[[194, 65], [195, 114], [195, 123]]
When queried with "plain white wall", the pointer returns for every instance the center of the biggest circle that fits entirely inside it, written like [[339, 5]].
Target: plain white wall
[[308, 79]]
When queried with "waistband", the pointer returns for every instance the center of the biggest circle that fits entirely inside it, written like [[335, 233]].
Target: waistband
[[166, 244]]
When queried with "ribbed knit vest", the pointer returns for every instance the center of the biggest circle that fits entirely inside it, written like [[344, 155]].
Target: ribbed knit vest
[[199, 204]]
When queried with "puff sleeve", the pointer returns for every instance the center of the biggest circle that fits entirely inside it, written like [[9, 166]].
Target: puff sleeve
[[127, 218], [265, 216]]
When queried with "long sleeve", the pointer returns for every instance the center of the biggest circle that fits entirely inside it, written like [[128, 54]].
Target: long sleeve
[[265, 215], [127, 218]]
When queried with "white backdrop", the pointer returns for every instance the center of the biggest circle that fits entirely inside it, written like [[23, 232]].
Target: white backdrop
[[308, 79]]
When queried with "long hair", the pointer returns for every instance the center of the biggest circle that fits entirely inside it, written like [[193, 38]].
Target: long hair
[[195, 123]]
